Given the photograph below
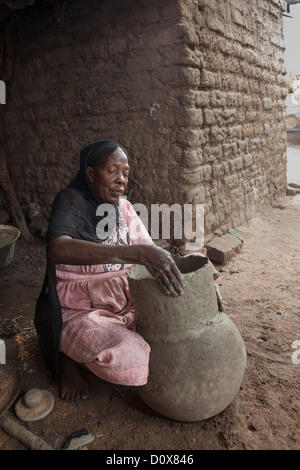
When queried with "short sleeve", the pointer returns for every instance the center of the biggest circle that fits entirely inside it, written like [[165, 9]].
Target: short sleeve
[[137, 230]]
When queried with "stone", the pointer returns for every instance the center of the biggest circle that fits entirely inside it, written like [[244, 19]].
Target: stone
[[222, 249], [38, 227], [34, 211]]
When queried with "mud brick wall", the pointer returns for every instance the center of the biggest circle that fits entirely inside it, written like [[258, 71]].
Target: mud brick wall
[[235, 51], [194, 90]]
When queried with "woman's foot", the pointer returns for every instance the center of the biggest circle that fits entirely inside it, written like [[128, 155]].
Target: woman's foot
[[72, 385]]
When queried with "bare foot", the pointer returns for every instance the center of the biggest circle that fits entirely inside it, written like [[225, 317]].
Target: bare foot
[[72, 386]]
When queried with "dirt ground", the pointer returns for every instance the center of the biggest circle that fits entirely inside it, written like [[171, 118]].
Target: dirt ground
[[261, 294]]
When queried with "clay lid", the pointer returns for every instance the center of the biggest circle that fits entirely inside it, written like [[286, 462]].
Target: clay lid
[[34, 405]]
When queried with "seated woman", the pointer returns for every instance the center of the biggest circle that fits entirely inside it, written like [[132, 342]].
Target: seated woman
[[84, 313]]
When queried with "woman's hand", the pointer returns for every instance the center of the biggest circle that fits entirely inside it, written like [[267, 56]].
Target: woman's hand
[[163, 268]]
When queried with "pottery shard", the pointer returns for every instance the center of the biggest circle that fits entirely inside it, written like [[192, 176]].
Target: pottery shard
[[222, 249]]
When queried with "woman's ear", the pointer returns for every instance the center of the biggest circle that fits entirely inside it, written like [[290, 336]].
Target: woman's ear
[[90, 173]]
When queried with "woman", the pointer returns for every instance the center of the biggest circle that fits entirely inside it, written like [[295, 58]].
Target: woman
[[84, 313]]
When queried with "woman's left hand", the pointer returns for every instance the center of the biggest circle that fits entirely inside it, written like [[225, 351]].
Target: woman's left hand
[[163, 268]]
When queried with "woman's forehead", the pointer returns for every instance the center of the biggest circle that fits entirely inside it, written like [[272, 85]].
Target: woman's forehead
[[118, 157]]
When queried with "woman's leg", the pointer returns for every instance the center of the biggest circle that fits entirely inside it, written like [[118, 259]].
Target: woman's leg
[[107, 348], [125, 360], [72, 385]]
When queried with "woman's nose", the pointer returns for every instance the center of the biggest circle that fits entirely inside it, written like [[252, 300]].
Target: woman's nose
[[121, 178]]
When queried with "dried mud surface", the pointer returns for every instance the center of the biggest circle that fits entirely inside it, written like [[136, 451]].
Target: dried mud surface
[[261, 294]]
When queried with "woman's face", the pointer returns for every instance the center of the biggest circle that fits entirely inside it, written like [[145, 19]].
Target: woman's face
[[110, 178]]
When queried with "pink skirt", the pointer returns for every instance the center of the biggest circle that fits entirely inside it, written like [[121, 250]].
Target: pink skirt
[[99, 324]]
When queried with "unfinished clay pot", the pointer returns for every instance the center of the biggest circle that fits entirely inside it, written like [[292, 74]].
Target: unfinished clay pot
[[198, 357]]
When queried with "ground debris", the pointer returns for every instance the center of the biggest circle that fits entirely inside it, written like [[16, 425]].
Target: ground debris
[[78, 439]]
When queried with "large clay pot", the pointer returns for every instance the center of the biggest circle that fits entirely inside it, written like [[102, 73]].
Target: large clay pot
[[198, 357]]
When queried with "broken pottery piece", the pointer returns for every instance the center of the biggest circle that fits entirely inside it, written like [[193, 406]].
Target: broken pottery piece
[[198, 356], [78, 439]]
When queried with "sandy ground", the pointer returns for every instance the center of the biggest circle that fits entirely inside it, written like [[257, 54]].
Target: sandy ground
[[261, 294]]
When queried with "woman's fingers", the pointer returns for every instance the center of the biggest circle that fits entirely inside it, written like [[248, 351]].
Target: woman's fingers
[[171, 284], [165, 271], [159, 278], [175, 277], [178, 275], [172, 280], [162, 284]]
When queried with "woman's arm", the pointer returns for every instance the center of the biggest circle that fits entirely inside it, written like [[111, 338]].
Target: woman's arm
[[66, 250]]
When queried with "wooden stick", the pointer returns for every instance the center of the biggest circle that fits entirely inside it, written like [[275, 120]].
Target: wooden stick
[[18, 431]]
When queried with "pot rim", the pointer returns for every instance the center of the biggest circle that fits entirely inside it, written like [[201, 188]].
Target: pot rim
[[10, 228]]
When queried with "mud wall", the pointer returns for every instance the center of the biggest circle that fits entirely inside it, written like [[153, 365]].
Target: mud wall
[[236, 56], [193, 89]]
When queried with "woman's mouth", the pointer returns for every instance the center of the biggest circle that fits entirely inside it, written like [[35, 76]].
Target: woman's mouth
[[117, 193]]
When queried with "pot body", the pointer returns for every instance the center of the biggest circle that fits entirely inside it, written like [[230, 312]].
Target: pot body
[[198, 357]]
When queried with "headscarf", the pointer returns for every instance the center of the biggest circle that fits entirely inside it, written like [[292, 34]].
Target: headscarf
[[93, 155], [73, 214], [74, 208]]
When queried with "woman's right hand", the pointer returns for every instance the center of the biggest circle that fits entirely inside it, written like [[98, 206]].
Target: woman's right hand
[[161, 265]]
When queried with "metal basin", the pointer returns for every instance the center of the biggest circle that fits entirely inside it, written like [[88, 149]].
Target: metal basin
[[8, 237]]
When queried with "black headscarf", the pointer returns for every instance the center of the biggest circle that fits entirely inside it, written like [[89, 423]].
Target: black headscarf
[[74, 214]]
